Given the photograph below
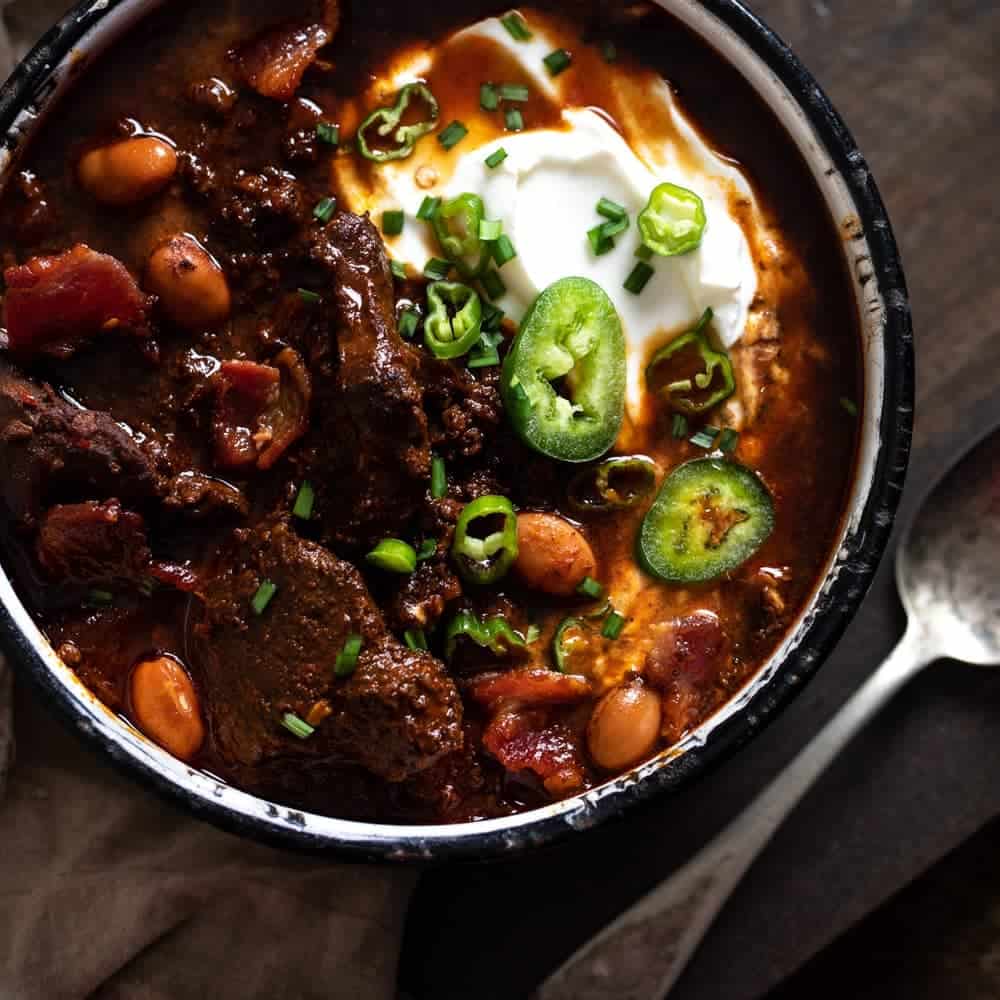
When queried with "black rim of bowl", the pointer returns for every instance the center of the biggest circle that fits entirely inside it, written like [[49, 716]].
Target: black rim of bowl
[[32, 83]]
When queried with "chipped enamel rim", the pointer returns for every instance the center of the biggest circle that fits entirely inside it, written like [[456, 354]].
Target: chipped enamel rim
[[870, 250]]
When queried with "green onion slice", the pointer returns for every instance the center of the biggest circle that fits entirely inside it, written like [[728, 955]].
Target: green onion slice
[[392, 222], [639, 278], [428, 547], [513, 119], [330, 134], [303, 507], [308, 297], [453, 134], [393, 555], [415, 639], [679, 427], [493, 284], [428, 208], [589, 587], [496, 158], [296, 726], [439, 478], [514, 92], [347, 658], [489, 99], [408, 322], [437, 269], [503, 250], [515, 26], [729, 439], [611, 209], [613, 625], [557, 61], [324, 209], [705, 438], [485, 354], [490, 229], [262, 597]]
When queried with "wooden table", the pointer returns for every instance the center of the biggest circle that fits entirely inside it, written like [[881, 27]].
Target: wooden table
[[917, 81]]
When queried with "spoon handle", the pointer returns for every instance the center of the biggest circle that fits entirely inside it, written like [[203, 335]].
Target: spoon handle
[[641, 954]]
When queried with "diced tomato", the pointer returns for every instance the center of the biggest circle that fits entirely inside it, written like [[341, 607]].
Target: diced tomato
[[260, 410], [274, 62], [522, 741], [529, 686], [54, 303]]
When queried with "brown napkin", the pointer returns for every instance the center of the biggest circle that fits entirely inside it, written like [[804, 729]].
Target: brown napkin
[[107, 892]]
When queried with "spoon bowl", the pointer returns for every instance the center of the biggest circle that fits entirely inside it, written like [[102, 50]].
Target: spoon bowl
[[948, 562]]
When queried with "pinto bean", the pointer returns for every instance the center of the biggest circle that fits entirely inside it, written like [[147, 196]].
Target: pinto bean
[[165, 706], [127, 171], [624, 726], [553, 556], [190, 284]]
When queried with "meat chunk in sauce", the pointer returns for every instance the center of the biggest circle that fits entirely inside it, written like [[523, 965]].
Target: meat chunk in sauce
[[51, 449], [373, 445], [92, 542], [395, 715], [54, 303]]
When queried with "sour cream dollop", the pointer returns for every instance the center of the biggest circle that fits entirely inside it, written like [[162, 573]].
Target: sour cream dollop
[[545, 193]]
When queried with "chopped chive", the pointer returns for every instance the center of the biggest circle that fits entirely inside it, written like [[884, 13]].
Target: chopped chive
[[415, 638], [729, 439], [100, 597], [514, 92], [428, 208], [408, 321], [589, 587], [615, 226], [613, 625], [849, 405], [643, 252], [427, 549], [493, 284], [453, 134], [330, 134], [392, 222], [324, 209], [492, 317], [679, 427], [639, 277], [437, 269], [393, 555], [308, 297], [262, 598], [296, 726], [513, 119], [489, 99], [533, 634], [347, 658], [304, 500], [496, 158], [611, 209], [439, 480], [503, 250], [705, 438], [557, 61], [609, 50], [600, 242], [484, 353], [490, 230], [398, 269], [515, 26]]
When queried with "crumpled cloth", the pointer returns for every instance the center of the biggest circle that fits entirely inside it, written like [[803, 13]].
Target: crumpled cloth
[[108, 892]]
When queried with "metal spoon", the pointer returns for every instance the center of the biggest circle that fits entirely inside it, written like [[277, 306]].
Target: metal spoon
[[948, 573]]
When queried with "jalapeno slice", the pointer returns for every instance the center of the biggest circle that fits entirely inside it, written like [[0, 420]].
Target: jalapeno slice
[[563, 379], [387, 124], [689, 373], [567, 630], [614, 484], [709, 517], [494, 634], [456, 226], [454, 321], [673, 220], [485, 559]]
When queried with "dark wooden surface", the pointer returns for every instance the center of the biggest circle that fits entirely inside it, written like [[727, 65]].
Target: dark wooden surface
[[917, 81]]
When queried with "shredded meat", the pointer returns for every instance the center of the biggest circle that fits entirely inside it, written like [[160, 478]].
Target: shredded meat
[[54, 303]]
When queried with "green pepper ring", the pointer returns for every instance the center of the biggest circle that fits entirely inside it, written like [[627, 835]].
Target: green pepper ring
[[714, 361], [465, 326], [672, 236], [600, 476], [494, 634], [460, 248], [485, 560], [676, 540], [390, 116]]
